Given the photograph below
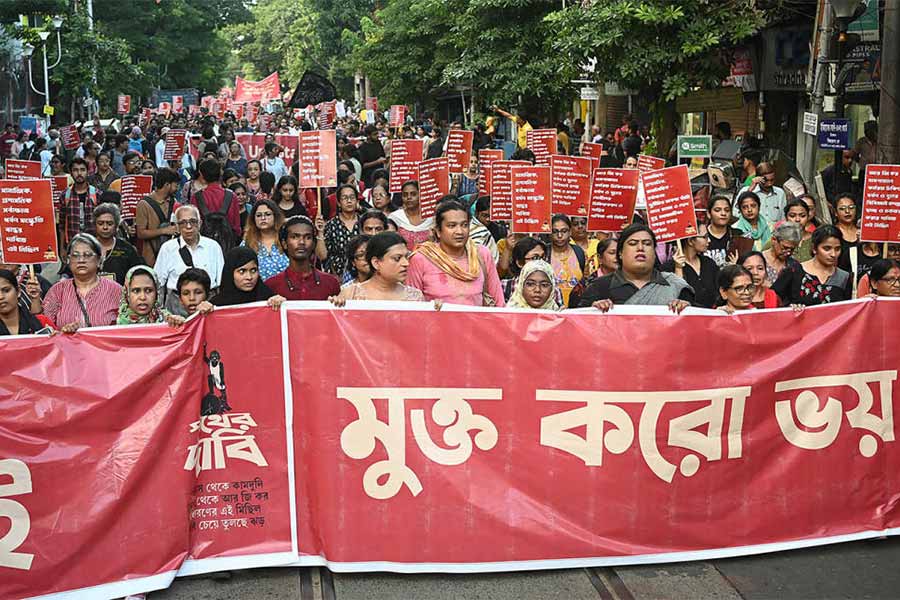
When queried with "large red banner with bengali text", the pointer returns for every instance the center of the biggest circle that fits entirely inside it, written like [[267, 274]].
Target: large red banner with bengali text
[[246, 90], [27, 222], [254, 145], [406, 155], [129, 456], [881, 204]]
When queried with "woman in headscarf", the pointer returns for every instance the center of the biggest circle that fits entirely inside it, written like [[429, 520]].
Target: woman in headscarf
[[140, 300], [536, 287], [751, 224], [241, 283], [14, 318]]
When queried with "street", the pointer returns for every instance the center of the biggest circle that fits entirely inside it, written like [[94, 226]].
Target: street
[[858, 570]]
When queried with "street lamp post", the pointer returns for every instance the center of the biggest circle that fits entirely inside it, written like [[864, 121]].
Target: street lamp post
[[845, 12], [28, 50]]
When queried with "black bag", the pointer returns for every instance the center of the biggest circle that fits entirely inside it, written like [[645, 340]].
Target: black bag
[[156, 243]]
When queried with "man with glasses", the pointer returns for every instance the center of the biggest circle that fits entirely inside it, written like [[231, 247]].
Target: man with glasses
[[772, 198], [132, 162], [189, 249]]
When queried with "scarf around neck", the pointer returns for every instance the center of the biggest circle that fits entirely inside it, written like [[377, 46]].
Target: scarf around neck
[[127, 316], [433, 252]]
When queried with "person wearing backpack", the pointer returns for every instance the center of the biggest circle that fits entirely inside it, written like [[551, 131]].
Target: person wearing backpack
[[568, 260], [153, 215], [212, 198]]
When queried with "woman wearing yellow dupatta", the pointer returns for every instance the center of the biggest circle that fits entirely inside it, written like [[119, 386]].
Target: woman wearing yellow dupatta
[[454, 269]]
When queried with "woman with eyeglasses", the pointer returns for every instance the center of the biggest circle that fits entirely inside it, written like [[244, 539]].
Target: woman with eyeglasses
[[818, 280], [755, 264], [86, 300], [845, 207], [261, 236], [785, 240], [536, 288], [388, 260], [864, 288], [736, 289], [885, 278]]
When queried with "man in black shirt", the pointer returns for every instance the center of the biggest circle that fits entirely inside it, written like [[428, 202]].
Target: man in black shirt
[[638, 281], [371, 155], [118, 255]]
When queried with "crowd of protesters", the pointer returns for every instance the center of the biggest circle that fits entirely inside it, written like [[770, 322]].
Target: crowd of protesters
[[222, 228]]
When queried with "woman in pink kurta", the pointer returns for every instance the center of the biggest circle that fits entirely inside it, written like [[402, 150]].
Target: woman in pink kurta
[[454, 269]]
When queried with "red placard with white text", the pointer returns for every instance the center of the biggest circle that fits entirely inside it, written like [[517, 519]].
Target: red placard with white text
[[123, 104], [253, 112], [372, 103], [501, 188], [194, 109], [881, 205], [70, 137], [134, 188], [178, 104], [318, 158], [27, 225], [645, 163], [543, 143], [146, 115], [406, 155], [397, 115], [459, 149], [531, 199], [165, 108], [23, 169], [434, 184], [207, 102], [327, 114], [570, 183], [254, 145], [670, 203], [486, 159], [175, 142], [613, 195], [593, 151], [59, 185]]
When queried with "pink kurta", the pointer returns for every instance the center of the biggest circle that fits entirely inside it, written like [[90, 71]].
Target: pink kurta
[[437, 285]]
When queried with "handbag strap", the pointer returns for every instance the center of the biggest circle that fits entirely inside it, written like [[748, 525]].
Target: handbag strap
[[84, 312]]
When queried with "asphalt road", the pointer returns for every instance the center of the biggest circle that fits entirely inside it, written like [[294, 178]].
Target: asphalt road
[[858, 571]]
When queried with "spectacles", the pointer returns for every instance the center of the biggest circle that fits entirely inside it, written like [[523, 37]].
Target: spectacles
[[82, 255], [544, 285], [894, 282], [744, 289], [188, 222], [849, 208]]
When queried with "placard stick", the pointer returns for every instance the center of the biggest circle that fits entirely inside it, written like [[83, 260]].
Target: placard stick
[[322, 202], [884, 253]]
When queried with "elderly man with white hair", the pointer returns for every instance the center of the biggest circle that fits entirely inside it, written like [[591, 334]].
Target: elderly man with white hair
[[189, 249]]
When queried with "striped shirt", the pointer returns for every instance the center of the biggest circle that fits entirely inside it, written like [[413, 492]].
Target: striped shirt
[[101, 303]]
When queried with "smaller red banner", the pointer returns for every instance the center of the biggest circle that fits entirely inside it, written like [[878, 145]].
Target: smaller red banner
[[165, 108], [670, 203], [613, 194], [406, 155], [178, 104], [257, 91], [174, 148], [397, 115], [650, 163], [59, 184], [531, 199], [239, 111], [501, 188], [194, 109], [23, 169], [318, 159], [71, 139], [123, 105], [593, 151], [218, 109], [881, 204], [207, 102], [571, 184], [486, 159], [543, 143], [434, 183], [459, 149], [134, 188], [28, 224], [327, 114], [146, 115], [372, 103]]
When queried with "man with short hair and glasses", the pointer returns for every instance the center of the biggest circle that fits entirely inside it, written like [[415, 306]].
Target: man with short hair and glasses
[[772, 198], [189, 249]]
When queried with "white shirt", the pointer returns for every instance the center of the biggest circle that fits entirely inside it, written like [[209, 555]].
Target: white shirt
[[772, 204], [275, 167], [46, 155], [160, 152], [207, 256]]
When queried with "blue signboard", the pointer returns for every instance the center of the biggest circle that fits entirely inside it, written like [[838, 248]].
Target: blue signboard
[[834, 134]]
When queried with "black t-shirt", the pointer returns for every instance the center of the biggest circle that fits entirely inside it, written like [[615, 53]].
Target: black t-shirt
[[706, 290], [795, 286], [614, 287], [369, 152], [120, 259], [718, 247]]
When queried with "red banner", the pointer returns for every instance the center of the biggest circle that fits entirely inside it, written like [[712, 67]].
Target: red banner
[[59, 184], [23, 169], [501, 188], [434, 183], [406, 155], [123, 105], [593, 151], [146, 115], [134, 188], [257, 91], [70, 137], [178, 104], [459, 149], [131, 455], [570, 182], [254, 145], [175, 142], [194, 109], [613, 196], [397, 115], [252, 112], [531, 199], [165, 108], [207, 102], [486, 159], [881, 204], [318, 159], [372, 103], [327, 114], [670, 203], [543, 143], [650, 163], [27, 224]]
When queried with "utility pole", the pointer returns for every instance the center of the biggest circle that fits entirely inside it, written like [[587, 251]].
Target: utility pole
[[807, 161], [889, 111]]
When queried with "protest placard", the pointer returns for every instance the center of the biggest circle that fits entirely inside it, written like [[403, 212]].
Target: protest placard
[[593, 151], [531, 199], [486, 158], [175, 141], [434, 183], [27, 222], [134, 188], [501, 188], [670, 203], [459, 149], [318, 158], [613, 195], [123, 104], [70, 137], [881, 204], [405, 158], [570, 182], [543, 143], [397, 115], [650, 163], [23, 169]]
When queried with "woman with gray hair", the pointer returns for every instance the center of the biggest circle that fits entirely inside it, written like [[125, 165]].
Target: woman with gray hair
[[85, 300], [785, 240], [118, 255]]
